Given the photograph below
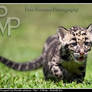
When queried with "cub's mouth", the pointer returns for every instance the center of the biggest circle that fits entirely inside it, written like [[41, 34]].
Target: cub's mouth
[[78, 57], [81, 58]]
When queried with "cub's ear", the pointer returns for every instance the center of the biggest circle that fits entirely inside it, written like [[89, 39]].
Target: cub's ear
[[63, 34], [61, 31], [89, 28], [89, 32]]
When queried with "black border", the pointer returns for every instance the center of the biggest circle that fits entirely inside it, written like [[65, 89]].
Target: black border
[[45, 1]]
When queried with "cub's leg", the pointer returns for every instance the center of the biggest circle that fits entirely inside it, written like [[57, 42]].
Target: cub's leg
[[53, 72], [51, 66], [79, 78], [53, 69]]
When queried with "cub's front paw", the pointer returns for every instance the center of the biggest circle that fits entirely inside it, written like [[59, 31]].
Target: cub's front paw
[[57, 72]]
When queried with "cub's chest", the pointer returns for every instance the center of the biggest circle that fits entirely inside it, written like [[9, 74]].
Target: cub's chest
[[72, 66]]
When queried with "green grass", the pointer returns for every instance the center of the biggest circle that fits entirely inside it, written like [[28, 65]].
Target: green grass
[[26, 43]]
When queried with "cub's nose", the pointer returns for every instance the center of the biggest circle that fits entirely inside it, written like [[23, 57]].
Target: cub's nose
[[82, 52]]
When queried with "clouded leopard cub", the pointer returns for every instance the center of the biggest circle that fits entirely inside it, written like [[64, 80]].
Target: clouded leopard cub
[[64, 55]]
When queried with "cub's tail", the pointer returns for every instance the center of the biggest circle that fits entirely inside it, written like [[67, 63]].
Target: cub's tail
[[26, 66]]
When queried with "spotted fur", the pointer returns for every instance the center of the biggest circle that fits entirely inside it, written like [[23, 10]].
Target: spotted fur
[[64, 55]]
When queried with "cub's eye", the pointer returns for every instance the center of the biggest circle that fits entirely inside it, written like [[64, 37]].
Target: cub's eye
[[84, 34], [74, 39], [74, 44], [87, 43]]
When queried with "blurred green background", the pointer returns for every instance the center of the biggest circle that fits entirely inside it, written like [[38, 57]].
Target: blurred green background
[[26, 41], [36, 26]]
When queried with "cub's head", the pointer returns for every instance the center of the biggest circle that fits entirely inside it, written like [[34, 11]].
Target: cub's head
[[78, 40]]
